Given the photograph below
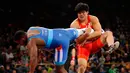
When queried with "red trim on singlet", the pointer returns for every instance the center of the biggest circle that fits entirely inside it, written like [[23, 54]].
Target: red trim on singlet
[[85, 26], [59, 48]]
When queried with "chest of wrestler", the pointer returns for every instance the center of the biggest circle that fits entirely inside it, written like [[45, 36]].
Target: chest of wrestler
[[85, 25], [89, 27]]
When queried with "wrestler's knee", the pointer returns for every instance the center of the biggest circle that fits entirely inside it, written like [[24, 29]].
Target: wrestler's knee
[[109, 33], [82, 63], [105, 34], [82, 67]]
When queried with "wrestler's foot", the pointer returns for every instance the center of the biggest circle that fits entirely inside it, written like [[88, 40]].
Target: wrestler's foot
[[113, 47]]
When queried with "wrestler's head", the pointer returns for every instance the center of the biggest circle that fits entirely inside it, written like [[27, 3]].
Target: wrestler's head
[[82, 10], [20, 37]]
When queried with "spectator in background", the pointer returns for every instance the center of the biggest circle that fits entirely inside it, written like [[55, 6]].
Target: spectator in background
[[9, 55], [23, 62], [126, 49], [71, 69], [39, 69], [129, 71], [102, 70], [8, 69], [122, 39], [122, 64], [44, 71], [102, 60], [125, 57], [113, 57], [108, 58], [50, 69], [25, 58], [2, 69], [3, 50], [123, 70], [89, 70], [119, 58], [49, 57], [3, 56], [112, 69], [14, 71]]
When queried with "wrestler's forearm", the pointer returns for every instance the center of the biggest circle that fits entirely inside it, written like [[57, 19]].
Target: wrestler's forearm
[[33, 58], [81, 38], [93, 35]]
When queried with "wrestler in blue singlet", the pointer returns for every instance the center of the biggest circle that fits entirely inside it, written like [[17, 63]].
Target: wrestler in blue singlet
[[54, 38]]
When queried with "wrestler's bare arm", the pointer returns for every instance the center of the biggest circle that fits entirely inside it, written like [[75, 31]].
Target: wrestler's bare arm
[[74, 24], [33, 55], [80, 39], [96, 26]]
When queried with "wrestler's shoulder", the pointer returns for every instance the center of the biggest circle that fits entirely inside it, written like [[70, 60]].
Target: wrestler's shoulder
[[74, 23], [93, 17]]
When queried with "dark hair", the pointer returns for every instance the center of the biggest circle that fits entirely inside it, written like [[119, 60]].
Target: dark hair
[[81, 6], [18, 35], [14, 70]]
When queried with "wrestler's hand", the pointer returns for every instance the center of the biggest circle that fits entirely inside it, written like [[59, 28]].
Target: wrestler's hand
[[82, 44], [88, 30]]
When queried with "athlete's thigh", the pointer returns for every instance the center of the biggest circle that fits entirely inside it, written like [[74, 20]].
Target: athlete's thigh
[[83, 54], [96, 45], [61, 52]]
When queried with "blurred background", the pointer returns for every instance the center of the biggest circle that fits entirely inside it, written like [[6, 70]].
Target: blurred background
[[15, 15]]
